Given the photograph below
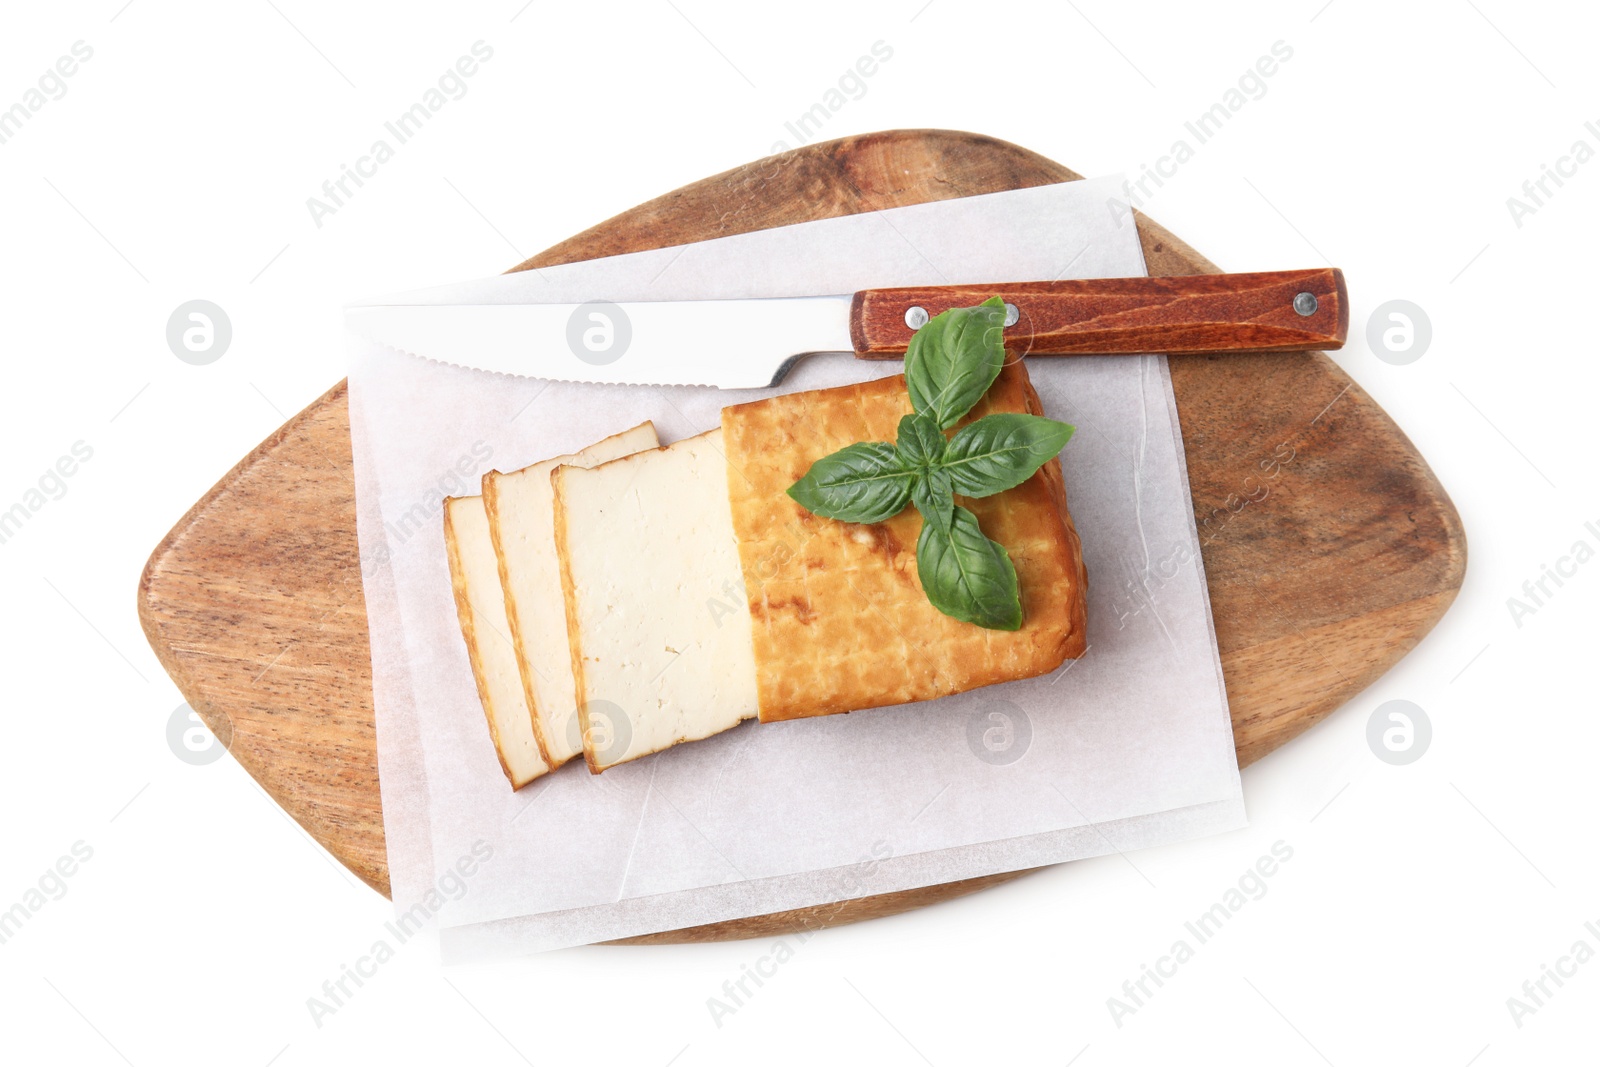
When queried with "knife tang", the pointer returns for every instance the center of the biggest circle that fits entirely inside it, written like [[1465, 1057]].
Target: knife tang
[[1274, 311]]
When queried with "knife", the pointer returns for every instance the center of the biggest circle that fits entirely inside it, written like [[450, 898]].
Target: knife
[[748, 344]]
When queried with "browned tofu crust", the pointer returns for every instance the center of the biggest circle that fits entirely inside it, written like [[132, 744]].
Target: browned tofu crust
[[840, 621]]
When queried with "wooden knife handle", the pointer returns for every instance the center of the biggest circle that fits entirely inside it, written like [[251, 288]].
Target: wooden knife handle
[[1267, 312]]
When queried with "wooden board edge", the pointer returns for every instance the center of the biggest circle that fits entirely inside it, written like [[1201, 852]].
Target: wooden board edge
[[149, 621], [581, 246], [217, 720]]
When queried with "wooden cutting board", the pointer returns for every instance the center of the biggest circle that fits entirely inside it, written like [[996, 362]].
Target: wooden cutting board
[[1330, 548]]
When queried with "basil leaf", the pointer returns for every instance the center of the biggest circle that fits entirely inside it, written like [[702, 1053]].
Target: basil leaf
[[1001, 451], [921, 442], [966, 575], [954, 358], [864, 482]]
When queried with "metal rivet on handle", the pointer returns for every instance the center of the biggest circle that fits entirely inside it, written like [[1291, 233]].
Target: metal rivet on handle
[[1306, 303], [916, 317], [1012, 314]]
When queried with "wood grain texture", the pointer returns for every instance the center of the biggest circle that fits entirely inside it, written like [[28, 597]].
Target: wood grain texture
[[1329, 547], [1107, 316]]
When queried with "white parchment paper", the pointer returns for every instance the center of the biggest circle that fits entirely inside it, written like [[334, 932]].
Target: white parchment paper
[[1128, 747]]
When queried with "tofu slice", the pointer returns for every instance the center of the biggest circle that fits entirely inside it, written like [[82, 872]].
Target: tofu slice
[[475, 578], [522, 528], [656, 613]]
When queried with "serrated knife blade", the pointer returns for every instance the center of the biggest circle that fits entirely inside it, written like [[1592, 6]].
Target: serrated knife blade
[[730, 344]]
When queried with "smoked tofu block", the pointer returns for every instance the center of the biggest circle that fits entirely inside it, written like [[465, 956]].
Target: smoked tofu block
[[699, 594], [521, 522], [840, 620], [660, 641], [475, 578]]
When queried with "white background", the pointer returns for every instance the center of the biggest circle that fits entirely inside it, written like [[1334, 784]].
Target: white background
[[177, 166]]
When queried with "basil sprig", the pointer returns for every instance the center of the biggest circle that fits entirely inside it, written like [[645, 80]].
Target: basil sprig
[[951, 362]]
